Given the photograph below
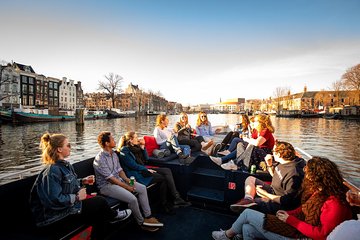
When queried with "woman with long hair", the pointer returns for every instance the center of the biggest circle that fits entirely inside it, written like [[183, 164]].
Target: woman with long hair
[[231, 139], [187, 135], [166, 138], [254, 149], [57, 193], [323, 207], [204, 128]]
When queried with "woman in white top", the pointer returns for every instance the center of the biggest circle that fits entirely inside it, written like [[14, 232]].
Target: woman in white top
[[166, 138]]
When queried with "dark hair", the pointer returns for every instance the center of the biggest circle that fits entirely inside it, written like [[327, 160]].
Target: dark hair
[[245, 122], [285, 150], [103, 138], [323, 175]]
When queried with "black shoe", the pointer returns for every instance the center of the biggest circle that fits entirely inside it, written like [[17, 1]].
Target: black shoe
[[215, 149], [169, 210], [186, 161], [179, 202], [182, 155]]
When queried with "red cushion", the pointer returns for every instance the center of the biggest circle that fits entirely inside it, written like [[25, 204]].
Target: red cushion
[[150, 144]]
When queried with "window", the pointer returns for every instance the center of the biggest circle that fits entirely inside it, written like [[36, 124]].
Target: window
[[50, 84], [31, 89], [23, 79], [24, 89], [55, 85], [50, 93], [31, 80], [55, 93], [31, 100]]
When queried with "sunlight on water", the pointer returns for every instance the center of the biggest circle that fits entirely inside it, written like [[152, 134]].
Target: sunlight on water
[[336, 139]]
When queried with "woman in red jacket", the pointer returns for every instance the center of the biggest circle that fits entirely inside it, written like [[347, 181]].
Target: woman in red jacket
[[323, 207]]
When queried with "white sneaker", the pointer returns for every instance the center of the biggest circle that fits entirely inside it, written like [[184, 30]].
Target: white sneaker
[[216, 160], [121, 215], [229, 165], [219, 235]]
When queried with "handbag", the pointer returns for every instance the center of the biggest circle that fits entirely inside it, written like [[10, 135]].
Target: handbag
[[275, 225]]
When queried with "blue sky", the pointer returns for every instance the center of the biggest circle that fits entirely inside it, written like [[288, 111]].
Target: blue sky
[[191, 51]]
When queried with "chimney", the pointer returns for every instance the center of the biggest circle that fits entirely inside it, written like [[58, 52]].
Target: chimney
[[305, 88]]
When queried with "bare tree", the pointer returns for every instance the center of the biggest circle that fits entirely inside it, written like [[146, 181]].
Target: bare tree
[[352, 80], [279, 94], [112, 86], [337, 86], [158, 93]]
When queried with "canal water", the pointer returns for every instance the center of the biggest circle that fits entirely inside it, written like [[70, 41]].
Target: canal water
[[339, 140]]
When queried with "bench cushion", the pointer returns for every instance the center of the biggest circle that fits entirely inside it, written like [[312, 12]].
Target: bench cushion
[[150, 144]]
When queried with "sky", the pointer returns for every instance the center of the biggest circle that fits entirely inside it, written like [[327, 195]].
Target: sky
[[192, 52]]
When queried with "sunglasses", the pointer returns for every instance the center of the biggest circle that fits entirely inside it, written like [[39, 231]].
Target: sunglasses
[[203, 116]]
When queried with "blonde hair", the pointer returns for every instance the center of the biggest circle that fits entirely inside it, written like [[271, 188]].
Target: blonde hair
[[264, 123], [160, 118], [199, 121], [49, 145], [125, 140]]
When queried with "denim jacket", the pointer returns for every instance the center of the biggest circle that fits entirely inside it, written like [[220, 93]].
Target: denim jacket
[[53, 195]]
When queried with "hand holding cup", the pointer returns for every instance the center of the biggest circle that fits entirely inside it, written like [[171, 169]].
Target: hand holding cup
[[89, 180]]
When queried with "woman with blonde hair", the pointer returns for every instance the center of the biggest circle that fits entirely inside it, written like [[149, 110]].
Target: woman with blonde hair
[[254, 149], [167, 139], [188, 136], [57, 193], [203, 127], [231, 139]]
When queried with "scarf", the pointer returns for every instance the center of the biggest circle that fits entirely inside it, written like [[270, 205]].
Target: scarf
[[138, 153]]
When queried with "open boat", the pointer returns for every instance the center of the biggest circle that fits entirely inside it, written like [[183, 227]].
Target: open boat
[[209, 188]]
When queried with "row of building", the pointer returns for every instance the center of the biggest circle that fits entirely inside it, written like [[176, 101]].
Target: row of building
[[306, 100], [20, 85]]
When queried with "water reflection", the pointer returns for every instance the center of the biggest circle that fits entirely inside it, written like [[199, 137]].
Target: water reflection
[[335, 139]]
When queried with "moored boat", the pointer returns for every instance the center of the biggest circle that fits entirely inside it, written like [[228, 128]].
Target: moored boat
[[6, 115], [25, 117]]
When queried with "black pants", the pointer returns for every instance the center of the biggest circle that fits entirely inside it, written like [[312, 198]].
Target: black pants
[[96, 212], [164, 177], [227, 139], [194, 144]]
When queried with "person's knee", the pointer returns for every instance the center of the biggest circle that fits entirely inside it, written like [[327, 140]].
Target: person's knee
[[250, 180]]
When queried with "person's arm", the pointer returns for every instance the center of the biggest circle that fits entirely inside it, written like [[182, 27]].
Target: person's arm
[[333, 212], [256, 142], [52, 188], [177, 127], [269, 164], [116, 181], [262, 193]]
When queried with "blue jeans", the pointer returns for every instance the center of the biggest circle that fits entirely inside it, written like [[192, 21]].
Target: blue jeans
[[173, 145], [234, 143], [228, 157], [250, 225]]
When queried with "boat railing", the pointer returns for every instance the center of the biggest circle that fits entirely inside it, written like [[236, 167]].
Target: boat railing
[[9, 177]]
